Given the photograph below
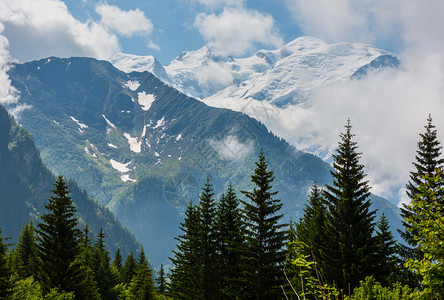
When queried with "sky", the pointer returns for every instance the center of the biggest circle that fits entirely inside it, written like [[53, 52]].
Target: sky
[[388, 110]]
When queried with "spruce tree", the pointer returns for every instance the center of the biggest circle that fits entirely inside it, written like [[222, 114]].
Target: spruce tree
[[27, 252], [427, 160], [265, 238], [129, 268], [230, 244], [185, 276], [207, 240], [142, 285], [117, 267], [88, 286], [5, 271], [387, 252], [311, 228], [350, 252], [101, 266], [161, 281], [59, 242]]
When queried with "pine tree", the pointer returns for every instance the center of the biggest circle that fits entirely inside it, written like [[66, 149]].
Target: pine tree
[[230, 243], [5, 272], [142, 285], [88, 286], [161, 281], [185, 276], [129, 268], [350, 252], [101, 266], [388, 259], [207, 240], [311, 228], [27, 252], [265, 239], [427, 160], [117, 267], [58, 238]]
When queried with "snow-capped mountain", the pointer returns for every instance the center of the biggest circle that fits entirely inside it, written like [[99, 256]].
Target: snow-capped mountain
[[135, 63], [287, 75]]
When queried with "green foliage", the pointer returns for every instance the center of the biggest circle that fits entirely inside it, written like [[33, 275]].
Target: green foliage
[[100, 265], [142, 285], [27, 253], [370, 289], [129, 269], [427, 224], [161, 281], [230, 244], [5, 271], [350, 252], [387, 251], [27, 289], [59, 242], [263, 257], [185, 277]]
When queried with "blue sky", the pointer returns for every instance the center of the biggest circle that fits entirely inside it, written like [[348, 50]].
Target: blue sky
[[165, 28]]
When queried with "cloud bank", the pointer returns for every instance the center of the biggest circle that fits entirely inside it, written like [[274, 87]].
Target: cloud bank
[[235, 31], [230, 148]]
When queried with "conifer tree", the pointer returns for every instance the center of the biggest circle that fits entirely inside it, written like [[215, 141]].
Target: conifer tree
[[88, 286], [101, 266], [5, 272], [59, 242], [311, 229], [350, 252], [387, 253], [116, 266], [265, 238], [27, 252], [161, 281], [142, 285], [207, 240], [230, 244], [185, 276], [427, 160], [129, 268]]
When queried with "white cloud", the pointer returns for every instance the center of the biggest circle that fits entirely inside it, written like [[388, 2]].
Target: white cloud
[[230, 148], [347, 20], [126, 23], [213, 4], [47, 27], [236, 30], [7, 92], [214, 74]]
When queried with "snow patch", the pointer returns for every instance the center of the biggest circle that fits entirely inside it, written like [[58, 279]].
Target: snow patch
[[160, 123], [145, 100], [81, 125], [112, 146], [122, 168], [110, 125], [179, 137], [125, 178], [132, 85], [134, 143], [156, 154]]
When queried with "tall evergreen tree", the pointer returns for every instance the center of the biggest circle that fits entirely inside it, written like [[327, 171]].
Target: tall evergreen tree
[[88, 286], [265, 238], [427, 160], [207, 240], [311, 228], [27, 252], [5, 271], [161, 281], [101, 266], [230, 244], [129, 268], [387, 252], [59, 242], [185, 276], [117, 267], [142, 285], [350, 252]]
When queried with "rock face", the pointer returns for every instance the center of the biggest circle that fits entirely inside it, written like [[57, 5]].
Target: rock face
[[144, 149]]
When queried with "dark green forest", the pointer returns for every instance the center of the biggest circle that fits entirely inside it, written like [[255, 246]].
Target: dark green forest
[[237, 247]]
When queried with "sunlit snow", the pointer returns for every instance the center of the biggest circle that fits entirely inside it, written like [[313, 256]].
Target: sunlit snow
[[134, 143], [132, 85], [112, 146], [122, 168], [145, 100], [81, 125], [160, 123]]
